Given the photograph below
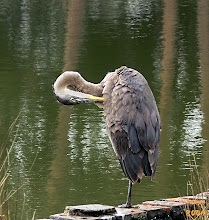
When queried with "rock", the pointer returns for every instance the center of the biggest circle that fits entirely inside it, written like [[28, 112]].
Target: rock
[[90, 210]]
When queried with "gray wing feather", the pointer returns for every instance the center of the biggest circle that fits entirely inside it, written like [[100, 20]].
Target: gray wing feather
[[134, 142], [132, 122]]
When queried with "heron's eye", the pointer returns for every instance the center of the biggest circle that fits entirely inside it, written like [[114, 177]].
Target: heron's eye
[[72, 99]]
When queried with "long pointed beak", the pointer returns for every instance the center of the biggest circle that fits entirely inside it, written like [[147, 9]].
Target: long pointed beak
[[94, 98]]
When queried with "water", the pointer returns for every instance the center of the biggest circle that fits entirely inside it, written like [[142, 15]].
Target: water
[[62, 155]]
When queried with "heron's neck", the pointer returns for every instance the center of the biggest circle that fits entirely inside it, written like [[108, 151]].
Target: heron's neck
[[75, 80], [89, 88]]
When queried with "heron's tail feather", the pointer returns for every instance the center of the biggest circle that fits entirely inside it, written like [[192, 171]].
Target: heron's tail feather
[[133, 166]]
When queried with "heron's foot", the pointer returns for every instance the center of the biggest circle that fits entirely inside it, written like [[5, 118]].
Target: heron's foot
[[127, 205]]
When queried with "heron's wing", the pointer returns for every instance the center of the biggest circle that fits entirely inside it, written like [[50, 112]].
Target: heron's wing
[[133, 123]]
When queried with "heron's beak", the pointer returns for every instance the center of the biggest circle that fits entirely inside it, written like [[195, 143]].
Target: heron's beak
[[94, 98]]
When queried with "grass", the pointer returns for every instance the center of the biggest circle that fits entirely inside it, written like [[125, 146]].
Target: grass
[[9, 198], [197, 186], [5, 153]]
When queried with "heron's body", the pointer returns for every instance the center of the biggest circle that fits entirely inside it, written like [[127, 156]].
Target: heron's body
[[132, 118]]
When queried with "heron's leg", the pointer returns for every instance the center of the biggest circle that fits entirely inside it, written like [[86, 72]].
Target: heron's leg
[[128, 202]]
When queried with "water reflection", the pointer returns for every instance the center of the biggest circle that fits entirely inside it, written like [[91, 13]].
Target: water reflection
[[203, 43], [74, 35], [166, 40], [166, 104], [60, 163], [81, 136], [192, 140], [32, 40], [58, 166], [140, 14]]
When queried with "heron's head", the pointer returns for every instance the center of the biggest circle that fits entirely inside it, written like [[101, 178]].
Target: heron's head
[[74, 97], [63, 90]]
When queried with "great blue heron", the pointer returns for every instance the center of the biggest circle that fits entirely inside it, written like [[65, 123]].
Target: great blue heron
[[132, 117]]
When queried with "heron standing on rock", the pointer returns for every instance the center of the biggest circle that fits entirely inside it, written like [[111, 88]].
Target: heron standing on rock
[[132, 117]]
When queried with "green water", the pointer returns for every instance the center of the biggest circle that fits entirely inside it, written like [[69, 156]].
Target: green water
[[62, 154]]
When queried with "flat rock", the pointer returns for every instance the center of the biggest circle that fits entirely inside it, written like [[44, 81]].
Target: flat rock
[[90, 210]]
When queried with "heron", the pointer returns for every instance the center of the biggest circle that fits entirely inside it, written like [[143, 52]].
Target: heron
[[132, 117]]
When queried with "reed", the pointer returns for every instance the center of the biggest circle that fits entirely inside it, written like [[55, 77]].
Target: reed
[[197, 185], [9, 209], [5, 153]]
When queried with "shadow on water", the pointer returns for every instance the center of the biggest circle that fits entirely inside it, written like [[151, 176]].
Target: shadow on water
[[167, 41]]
